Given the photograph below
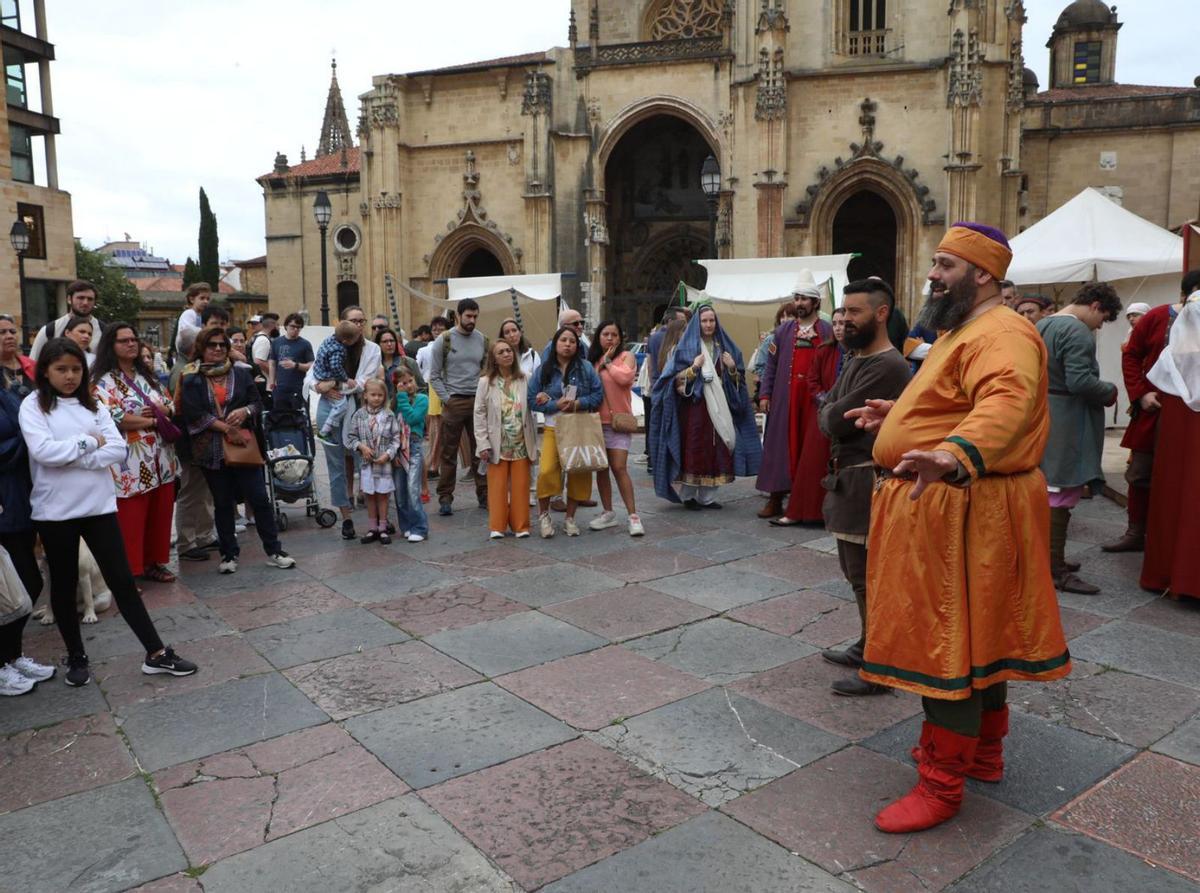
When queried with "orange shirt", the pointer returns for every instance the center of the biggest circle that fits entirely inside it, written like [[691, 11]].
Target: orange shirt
[[617, 378]]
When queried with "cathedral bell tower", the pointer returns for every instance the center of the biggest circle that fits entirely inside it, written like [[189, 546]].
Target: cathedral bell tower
[[1083, 45]]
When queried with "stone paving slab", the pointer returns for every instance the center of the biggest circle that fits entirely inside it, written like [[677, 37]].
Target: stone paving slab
[[175, 883], [1076, 623], [452, 608], [722, 587], [645, 563], [253, 573], [824, 812], [183, 623], [717, 745], [801, 689], [1183, 743], [545, 815], [1052, 859], [550, 584], [720, 546], [620, 614], [1045, 765], [253, 608], [494, 559], [708, 854], [165, 595], [455, 733], [220, 659], [513, 643], [73, 756], [1150, 807], [1182, 616], [1130, 709], [229, 803], [127, 842], [719, 650], [1145, 650], [788, 615], [592, 690], [320, 636], [400, 845], [802, 565], [385, 583], [561, 547], [51, 702], [171, 730], [380, 677]]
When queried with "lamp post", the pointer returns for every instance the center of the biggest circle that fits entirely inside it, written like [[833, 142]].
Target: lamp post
[[710, 182], [322, 212], [19, 237]]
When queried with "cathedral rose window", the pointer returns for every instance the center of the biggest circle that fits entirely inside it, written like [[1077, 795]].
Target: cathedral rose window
[[682, 19]]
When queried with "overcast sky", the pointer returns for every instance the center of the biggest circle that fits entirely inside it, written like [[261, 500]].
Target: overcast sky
[[158, 99]]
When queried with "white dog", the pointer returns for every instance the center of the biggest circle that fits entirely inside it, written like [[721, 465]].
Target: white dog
[[91, 594]]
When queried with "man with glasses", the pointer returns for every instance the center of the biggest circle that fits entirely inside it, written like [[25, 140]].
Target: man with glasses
[[378, 324], [290, 358], [81, 301]]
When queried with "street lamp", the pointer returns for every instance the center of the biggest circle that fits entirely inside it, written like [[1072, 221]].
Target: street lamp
[[19, 237], [710, 182], [322, 213]]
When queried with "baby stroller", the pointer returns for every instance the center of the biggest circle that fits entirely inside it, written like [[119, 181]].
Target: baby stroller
[[290, 471]]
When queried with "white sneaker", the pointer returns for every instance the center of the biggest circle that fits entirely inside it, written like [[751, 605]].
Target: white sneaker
[[13, 683], [229, 566], [635, 526], [522, 534], [31, 669], [546, 525], [495, 535], [416, 538], [570, 528], [239, 527], [603, 521], [281, 559]]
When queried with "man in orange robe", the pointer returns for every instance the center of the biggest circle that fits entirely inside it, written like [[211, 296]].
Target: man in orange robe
[[959, 594]]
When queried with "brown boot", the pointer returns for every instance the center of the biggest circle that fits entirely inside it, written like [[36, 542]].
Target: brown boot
[[1064, 578], [1132, 540], [773, 508]]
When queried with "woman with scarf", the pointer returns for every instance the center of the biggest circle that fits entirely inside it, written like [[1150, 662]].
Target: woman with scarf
[[702, 413], [219, 404]]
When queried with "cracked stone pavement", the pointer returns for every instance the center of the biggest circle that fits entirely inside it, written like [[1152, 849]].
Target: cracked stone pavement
[[466, 715]]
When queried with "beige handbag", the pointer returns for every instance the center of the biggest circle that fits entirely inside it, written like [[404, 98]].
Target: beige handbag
[[580, 441]]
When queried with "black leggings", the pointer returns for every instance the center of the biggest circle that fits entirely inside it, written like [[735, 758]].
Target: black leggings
[[60, 539], [19, 547]]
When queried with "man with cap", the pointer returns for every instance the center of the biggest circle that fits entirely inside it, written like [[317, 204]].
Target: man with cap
[[783, 393], [959, 594], [1034, 308]]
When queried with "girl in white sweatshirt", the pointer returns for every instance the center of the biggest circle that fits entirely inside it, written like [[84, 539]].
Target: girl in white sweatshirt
[[72, 442]]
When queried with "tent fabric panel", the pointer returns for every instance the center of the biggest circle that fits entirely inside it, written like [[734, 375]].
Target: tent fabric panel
[[535, 286]]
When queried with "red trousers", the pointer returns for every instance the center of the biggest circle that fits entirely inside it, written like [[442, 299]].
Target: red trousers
[[145, 522]]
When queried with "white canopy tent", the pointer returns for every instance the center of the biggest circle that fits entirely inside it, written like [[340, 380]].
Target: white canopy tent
[[536, 298], [1091, 238], [746, 292]]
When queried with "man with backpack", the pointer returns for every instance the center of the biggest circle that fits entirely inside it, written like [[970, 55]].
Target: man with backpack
[[81, 300], [457, 358]]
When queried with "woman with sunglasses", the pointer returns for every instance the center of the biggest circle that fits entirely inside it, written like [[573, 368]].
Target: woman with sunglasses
[[220, 403]]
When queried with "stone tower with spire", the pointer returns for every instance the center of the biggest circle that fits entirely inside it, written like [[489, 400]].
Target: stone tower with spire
[[335, 130]]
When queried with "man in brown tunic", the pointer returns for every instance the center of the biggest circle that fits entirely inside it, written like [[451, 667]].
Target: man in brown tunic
[[876, 371]]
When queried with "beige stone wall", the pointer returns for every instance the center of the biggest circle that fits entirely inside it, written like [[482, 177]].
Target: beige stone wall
[[59, 264], [254, 281]]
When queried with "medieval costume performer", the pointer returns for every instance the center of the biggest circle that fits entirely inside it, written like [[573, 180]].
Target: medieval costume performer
[[706, 434], [960, 514], [1173, 530], [1138, 356], [1073, 461], [784, 394]]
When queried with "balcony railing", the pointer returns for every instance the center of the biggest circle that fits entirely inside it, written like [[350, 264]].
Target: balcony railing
[[866, 43]]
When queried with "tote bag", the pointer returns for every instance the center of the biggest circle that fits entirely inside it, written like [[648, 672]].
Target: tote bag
[[580, 442]]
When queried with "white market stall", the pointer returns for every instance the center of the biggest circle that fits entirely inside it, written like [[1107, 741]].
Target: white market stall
[[1091, 238], [536, 297], [746, 292]]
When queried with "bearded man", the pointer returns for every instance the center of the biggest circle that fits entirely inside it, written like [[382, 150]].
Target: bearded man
[[960, 516], [784, 394]]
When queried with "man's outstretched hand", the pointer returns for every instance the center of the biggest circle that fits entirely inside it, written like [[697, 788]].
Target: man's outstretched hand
[[871, 416], [929, 467]]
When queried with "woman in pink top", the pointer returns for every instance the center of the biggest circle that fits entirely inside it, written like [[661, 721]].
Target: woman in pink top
[[617, 369]]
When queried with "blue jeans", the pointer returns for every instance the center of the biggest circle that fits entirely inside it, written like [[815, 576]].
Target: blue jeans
[[335, 458], [409, 509], [334, 415]]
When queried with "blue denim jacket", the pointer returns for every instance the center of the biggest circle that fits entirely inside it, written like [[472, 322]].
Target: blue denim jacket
[[588, 389]]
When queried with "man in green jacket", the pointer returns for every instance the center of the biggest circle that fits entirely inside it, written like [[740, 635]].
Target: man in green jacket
[[1078, 396]]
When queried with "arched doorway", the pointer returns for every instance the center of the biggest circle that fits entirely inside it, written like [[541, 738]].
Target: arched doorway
[[347, 295], [479, 262], [657, 216], [866, 225]]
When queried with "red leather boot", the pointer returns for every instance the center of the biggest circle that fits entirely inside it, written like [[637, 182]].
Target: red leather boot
[[989, 755], [938, 794]]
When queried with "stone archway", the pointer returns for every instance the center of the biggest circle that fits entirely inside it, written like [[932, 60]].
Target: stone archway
[[347, 295], [866, 225], [468, 244]]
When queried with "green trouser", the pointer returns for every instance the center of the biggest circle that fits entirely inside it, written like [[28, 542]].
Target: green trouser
[[853, 558], [963, 717]]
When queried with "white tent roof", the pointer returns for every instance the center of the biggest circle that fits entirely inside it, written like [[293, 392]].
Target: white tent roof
[[1093, 238], [538, 286], [759, 280]]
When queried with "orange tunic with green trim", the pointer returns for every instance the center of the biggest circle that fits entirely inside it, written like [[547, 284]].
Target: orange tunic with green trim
[[959, 592]]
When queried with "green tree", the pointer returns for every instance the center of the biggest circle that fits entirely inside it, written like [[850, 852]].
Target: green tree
[[191, 273], [116, 296], [210, 267]]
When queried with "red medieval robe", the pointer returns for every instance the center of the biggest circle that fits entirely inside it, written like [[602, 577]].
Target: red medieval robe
[[1138, 357], [1173, 525], [808, 495]]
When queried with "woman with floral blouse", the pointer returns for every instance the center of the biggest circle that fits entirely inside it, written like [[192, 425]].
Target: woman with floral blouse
[[145, 481]]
